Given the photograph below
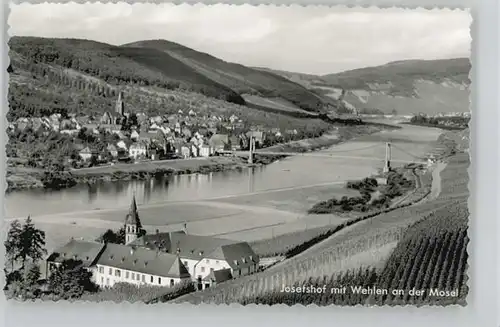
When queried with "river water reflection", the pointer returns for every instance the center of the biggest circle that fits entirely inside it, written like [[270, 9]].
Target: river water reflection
[[292, 172]]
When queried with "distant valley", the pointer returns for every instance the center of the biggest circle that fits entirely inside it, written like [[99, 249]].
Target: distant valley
[[406, 87]]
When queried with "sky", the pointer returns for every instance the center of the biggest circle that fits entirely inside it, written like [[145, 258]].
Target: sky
[[315, 39]]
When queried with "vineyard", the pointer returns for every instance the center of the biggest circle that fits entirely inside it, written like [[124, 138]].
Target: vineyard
[[432, 255], [421, 246], [342, 257]]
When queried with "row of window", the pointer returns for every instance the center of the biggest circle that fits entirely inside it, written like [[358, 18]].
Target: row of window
[[206, 261], [132, 276]]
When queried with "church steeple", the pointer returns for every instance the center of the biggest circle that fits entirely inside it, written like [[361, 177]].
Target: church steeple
[[132, 223], [120, 106]]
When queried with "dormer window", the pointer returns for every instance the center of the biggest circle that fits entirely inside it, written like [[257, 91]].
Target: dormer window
[[244, 260], [111, 257], [123, 259], [135, 261], [145, 263], [251, 258], [236, 262]]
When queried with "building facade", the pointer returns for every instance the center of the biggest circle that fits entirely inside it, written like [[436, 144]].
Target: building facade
[[159, 259], [116, 263], [203, 255]]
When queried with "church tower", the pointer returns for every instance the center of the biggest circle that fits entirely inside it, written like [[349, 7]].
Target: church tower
[[132, 223], [120, 106]]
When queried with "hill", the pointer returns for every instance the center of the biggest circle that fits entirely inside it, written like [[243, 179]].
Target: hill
[[242, 79], [55, 75], [408, 86]]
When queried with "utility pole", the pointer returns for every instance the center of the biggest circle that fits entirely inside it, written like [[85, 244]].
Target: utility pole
[[387, 165], [251, 150]]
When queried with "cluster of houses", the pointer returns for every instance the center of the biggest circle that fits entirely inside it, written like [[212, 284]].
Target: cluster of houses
[[180, 135], [159, 259]]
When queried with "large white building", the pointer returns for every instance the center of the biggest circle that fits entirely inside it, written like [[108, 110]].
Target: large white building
[[115, 263], [204, 255], [201, 255], [161, 259]]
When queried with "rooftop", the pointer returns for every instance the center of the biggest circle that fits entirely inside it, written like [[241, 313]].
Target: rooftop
[[143, 260], [85, 251], [197, 247]]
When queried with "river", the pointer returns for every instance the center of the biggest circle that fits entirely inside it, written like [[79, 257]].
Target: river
[[278, 192]]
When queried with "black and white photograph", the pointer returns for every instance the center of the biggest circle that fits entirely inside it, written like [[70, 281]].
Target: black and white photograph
[[220, 154]]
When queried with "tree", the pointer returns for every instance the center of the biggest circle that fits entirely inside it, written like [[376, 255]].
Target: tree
[[24, 283], [24, 243], [113, 237], [13, 244], [70, 280]]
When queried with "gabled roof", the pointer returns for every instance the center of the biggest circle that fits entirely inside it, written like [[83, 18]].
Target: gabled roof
[[219, 276], [238, 255], [196, 247], [143, 261], [85, 251]]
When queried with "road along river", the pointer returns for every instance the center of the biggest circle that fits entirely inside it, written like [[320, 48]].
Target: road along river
[[248, 204]]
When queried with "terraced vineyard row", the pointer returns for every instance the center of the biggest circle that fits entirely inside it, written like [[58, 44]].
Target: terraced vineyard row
[[330, 261], [431, 256]]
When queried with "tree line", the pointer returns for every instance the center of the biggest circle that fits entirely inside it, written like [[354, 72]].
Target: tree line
[[25, 251]]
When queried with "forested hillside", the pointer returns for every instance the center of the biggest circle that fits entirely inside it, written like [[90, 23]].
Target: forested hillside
[[81, 76]]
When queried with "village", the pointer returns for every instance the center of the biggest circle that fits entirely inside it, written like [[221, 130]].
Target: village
[[121, 136]]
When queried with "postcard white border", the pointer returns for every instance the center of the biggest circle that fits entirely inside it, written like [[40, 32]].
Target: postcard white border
[[484, 204]]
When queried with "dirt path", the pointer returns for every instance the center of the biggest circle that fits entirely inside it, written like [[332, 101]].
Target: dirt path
[[436, 180]]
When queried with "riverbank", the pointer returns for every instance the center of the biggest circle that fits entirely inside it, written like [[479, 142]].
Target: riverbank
[[19, 178]]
